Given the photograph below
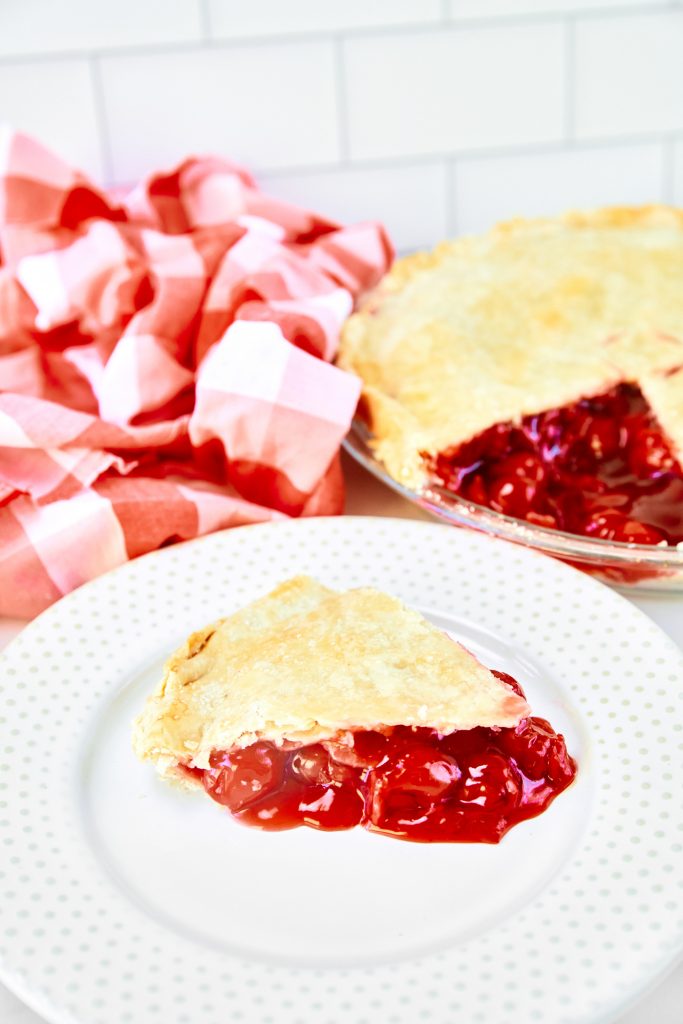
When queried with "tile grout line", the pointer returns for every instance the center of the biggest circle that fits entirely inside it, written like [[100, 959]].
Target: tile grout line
[[418, 160], [451, 167], [485, 153], [205, 20], [102, 119], [453, 25], [668, 170], [343, 126]]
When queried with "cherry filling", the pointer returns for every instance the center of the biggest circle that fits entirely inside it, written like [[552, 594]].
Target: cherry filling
[[411, 783], [601, 467]]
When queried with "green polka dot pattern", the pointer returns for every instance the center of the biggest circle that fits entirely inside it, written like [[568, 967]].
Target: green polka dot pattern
[[595, 932]]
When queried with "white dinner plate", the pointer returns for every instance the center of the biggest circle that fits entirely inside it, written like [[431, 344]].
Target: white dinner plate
[[125, 902]]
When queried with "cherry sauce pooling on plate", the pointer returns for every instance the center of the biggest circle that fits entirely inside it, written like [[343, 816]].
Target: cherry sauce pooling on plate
[[407, 782]]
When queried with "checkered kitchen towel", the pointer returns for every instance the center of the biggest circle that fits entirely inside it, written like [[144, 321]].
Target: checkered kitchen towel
[[164, 363]]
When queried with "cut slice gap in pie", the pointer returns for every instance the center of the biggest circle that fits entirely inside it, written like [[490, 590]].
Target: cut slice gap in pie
[[601, 467], [313, 707], [537, 370]]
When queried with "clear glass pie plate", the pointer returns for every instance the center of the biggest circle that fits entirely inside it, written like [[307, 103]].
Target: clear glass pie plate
[[634, 567]]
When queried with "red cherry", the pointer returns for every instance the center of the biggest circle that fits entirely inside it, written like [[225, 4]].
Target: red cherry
[[331, 807], [613, 525], [529, 743], [516, 483], [561, 768], [458, 823], [409, 781], [526, 466], [538, 751], [358, 749], [511, 496], [474, 489], [509, 680], [464, 742], [240, 777], [494, 443], [311, 764], [275, 812], [314, 764], [601, 435], [618, 404], [446, 472], [649, 453], [588, 485], [491, 782]]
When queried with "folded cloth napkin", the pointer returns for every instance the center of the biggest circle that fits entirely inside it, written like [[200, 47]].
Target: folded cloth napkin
[[164, 363]]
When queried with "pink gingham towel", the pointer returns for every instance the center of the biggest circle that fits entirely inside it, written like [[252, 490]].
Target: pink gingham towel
[[164, 363]]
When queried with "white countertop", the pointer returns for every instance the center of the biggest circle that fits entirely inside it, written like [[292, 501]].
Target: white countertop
[[366, 496]]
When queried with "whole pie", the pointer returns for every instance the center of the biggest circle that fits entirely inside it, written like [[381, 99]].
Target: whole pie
[[313, 707], [536, 370]]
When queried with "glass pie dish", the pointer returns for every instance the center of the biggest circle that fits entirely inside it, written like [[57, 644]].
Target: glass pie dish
[[634, 567]]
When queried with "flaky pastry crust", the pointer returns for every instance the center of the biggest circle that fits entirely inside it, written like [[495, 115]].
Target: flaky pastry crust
[[532, 316], [305, 663]]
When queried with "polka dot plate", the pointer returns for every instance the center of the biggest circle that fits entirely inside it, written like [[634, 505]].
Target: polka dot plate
[[125, 902]]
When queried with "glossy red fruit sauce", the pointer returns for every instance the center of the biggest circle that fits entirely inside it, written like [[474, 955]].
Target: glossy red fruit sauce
[[601, 467], [411, 783]]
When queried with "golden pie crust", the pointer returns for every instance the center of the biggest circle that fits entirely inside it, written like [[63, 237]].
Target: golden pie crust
[[532, 316], [305, 663]]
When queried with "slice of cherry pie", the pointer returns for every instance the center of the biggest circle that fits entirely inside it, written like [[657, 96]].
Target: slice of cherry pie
[[537, 370], [311, 707]]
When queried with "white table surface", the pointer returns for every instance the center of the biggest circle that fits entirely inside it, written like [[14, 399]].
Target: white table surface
[[366, 496]]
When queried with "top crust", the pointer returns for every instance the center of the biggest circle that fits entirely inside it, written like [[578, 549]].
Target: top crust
[[532, 316], [305, 663]]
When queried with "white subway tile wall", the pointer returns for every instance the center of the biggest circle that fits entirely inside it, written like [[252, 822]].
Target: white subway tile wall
[[270, 106], [411, 200], [41, 26], [487, 190], [452, 90], [233, 20], [505, 8], [630, 75], [434, 116], [678, 174], [55, 101]]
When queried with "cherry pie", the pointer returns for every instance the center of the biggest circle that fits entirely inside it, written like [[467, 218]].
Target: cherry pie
[[537, 370], [311, 707]]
